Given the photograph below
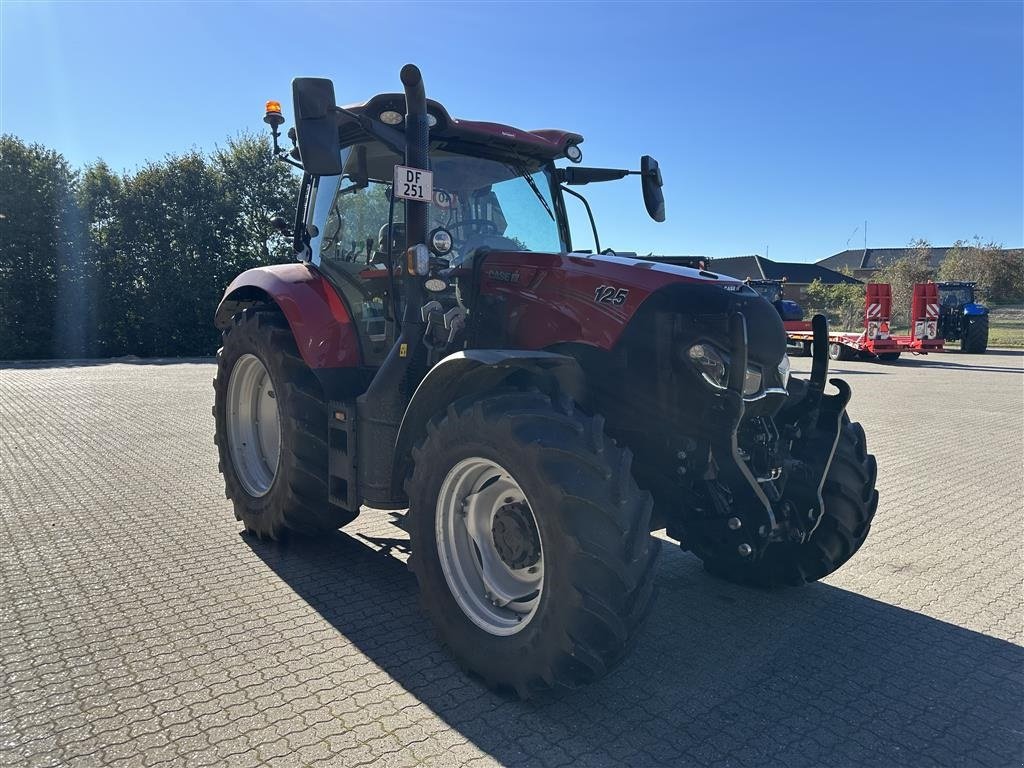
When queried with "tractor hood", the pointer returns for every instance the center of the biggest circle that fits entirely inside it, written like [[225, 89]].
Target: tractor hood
[[664, 265], [547, 299], [973, 310]]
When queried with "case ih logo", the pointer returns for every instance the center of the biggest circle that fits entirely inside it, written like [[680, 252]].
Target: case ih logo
[[505, 277]]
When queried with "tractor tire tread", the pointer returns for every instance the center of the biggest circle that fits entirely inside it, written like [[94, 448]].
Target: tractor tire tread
[[298, 499], [975, 335], [604, 586]]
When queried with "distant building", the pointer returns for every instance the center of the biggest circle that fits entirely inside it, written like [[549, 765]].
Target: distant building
[[864, 262], [796, 274]]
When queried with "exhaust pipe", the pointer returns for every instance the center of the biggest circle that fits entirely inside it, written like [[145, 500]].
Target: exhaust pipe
[[381, 407], [417, 137]]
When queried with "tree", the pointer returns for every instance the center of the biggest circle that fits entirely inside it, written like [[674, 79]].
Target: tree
[[902, 274], [841, 303], [97, 263], [176, 222], [113, 294], [255, 188], [38, 240], [998, 272]]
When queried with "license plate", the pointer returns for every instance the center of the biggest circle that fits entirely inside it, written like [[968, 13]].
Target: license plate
[[414, 184]]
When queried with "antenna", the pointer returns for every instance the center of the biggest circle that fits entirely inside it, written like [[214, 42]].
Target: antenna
[[865, 234], [851, 236]]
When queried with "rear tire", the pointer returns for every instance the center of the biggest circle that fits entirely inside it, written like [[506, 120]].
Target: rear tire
[[850, 504], [592, 526], [888, 357], [975, 338], [292, 495]]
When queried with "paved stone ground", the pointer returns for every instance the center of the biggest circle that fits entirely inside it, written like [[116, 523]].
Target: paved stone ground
[[140, 628]]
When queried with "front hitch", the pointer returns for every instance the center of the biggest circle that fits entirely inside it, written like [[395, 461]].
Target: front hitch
[[819, 356], [744, 518], [815, 424]]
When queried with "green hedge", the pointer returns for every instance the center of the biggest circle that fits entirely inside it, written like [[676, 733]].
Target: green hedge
[[99, 264]]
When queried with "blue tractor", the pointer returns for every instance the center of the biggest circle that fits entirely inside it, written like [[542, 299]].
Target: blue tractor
[[961, 318], [772, 292]]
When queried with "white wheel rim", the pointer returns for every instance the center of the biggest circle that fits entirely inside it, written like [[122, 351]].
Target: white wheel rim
[[253, 425], [489, 546]]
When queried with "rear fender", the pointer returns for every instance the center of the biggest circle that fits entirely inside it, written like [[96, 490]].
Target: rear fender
[[471, 372], [317, 315]]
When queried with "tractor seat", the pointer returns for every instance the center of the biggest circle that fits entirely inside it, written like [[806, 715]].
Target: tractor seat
[[397, 243]]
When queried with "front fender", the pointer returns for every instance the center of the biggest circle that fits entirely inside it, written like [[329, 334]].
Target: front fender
[[320, 322], [467, 373]]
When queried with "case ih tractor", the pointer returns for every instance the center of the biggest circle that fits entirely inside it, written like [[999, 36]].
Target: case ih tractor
[[961, 319], [440, 345]]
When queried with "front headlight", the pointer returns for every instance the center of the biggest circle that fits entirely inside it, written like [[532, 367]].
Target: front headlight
[[714, 367], [710, 364], [784, 369]]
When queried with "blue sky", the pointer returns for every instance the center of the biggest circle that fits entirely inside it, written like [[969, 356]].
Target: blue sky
[[778, 126]]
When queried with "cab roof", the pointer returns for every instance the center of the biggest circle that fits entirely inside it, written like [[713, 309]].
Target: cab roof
[[544, 144]]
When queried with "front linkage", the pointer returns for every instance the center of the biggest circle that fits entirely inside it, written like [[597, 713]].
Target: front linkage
[[786, 504]]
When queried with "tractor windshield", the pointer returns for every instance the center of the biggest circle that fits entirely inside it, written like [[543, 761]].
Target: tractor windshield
[[481, 202], [770, 292], [956, 296]]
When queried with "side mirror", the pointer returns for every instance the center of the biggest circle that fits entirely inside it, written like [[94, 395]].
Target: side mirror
[[316, 127], [280, 224], [650, 180]]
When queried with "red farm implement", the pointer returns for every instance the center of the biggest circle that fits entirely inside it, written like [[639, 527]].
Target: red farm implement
[[876, 341]]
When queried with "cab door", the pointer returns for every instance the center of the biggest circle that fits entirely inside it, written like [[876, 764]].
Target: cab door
[[348, 224]]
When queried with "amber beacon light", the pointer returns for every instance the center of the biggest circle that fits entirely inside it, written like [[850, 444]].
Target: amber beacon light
[[273, 117]]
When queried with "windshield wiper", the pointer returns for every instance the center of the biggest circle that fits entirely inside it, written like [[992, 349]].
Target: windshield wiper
[[533, 185]]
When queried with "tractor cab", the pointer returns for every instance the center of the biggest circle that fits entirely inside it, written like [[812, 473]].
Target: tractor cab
[[773, 291], [481, 187], [958, 296], [359, 228]]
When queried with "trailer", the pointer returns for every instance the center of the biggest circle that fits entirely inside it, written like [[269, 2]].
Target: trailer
[[876, 341]]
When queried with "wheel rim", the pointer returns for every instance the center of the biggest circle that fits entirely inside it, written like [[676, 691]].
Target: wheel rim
[[489, 546], [253, 425], [834, 351]]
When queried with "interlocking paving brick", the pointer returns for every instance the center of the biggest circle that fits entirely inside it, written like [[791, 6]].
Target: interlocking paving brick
[[140, 628]]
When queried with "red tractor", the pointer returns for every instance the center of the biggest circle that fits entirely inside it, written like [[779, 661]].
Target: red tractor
[[442, 345]]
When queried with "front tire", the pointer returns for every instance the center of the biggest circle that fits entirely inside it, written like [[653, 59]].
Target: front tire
[[975, 338], [850, 504], [514, 482], [271, 430]]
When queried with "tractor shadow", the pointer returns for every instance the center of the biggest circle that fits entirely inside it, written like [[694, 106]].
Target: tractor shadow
[[720, 675]]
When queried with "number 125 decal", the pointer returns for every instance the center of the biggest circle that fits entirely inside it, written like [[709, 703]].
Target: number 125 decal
[[609, 294]]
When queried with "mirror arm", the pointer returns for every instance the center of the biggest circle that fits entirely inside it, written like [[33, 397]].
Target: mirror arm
[[283, 158], [281, 155], [580, 176], [590, 213]]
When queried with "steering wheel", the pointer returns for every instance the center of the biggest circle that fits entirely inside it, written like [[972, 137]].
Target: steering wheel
[[480, 224]]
